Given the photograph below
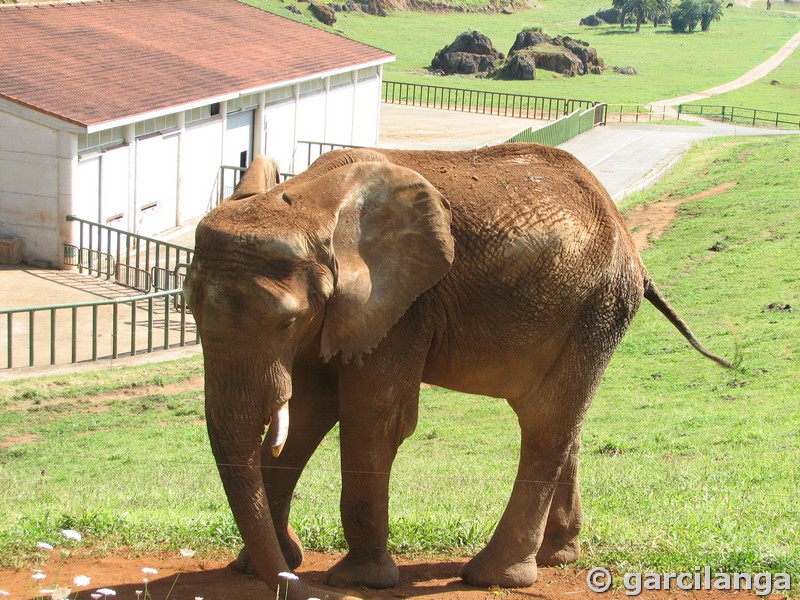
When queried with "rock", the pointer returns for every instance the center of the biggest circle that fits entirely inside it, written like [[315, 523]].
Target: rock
[[469, 53], [520, 66], [464, 63], [293, 9], [563, 55], [591, 21], [526, 39], [556, 58], [775, 82], [373, 7], [610, 15], [323, 13], [625, 70]]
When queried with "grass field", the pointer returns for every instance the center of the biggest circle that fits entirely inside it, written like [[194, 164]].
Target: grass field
[[683, 463], [781, 97], [669, 65]]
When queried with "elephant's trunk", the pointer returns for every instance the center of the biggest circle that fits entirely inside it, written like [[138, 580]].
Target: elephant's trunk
[[235, 427]]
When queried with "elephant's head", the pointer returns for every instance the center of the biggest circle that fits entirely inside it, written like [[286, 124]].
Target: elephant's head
[[329, 261]]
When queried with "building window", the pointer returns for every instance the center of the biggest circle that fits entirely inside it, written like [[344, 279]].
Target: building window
[[342, 79], [368, 73], [242, 103], [202, 113], [156, 125], [309, 87], [101, 139], [279, 94]]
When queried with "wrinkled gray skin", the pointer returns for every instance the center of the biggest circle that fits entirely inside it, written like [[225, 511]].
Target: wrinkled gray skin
[[505, 271]]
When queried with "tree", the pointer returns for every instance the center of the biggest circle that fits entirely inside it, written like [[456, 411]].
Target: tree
[[642, 10], [711, 10], [686, 17]]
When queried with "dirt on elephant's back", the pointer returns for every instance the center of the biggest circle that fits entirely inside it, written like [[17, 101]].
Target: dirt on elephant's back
[[185, 579]]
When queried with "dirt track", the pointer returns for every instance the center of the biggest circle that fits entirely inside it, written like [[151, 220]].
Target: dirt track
[[214, 580]]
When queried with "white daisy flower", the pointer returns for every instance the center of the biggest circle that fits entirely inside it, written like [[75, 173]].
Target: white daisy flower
[[71, 534]]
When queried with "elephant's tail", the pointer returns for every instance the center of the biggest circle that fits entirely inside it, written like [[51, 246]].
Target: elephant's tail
[[655, 297]]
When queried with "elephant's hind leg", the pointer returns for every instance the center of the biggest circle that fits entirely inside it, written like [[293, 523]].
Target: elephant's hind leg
[[550, 417], [565, 518]]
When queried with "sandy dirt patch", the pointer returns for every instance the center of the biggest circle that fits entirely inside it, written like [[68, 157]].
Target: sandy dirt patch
[[648, 223], [185, 579]]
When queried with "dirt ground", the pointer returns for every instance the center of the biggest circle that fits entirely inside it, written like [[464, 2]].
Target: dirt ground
[[187, 579], [648, 223]]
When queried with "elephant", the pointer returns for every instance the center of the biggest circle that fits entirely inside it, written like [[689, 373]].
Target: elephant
[[505, 271], [262, 175]]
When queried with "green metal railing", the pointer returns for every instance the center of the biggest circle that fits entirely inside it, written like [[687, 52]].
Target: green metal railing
[[89, 331], [563, 129], [480, 101], [68, 333], [744, 116], [136, 261]]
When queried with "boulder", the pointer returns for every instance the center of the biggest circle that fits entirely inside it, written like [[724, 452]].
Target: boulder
[[323, 13], [609, 15], [591, 21], [520, 66], [373, 7], [563, 55], [625, 70], [526, 39], [469, 53], [464, 63], [555, 58]]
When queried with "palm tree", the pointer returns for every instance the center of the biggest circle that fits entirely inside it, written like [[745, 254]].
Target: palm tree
[[643, 10], [711, 11]]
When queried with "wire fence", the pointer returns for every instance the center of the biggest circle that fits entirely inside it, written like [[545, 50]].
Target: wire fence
[[744, 116]]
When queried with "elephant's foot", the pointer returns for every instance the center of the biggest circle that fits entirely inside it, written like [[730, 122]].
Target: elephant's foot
[[487, 569], [558, 552], [291, 547], [376, 571]]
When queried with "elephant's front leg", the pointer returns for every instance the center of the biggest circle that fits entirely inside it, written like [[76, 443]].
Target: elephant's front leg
[[378, 410], [313, 411]]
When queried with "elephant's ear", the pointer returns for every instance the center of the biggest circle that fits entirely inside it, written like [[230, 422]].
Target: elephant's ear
[[391, 242]]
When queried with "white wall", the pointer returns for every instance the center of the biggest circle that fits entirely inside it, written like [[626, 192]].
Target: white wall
[[35, 185], [42, 180], [201, 149]]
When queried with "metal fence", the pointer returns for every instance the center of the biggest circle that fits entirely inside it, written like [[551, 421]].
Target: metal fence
[[563, 129], [84, 331], [481, 101], [744, 116], [135, 261], [638, 113], [89, 331]]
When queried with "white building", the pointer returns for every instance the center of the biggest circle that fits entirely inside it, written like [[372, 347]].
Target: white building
[[124, 112]]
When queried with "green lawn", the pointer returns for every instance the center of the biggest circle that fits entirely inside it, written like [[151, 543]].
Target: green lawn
[[669, 65], [683, 463], [783, 96]]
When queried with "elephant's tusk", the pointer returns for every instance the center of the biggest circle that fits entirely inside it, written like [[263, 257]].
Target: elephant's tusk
[[279, 429]]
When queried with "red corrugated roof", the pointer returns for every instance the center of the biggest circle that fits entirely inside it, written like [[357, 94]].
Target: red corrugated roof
[[105, 61]]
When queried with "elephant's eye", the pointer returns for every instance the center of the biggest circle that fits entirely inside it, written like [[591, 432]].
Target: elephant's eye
[[287, 326]]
